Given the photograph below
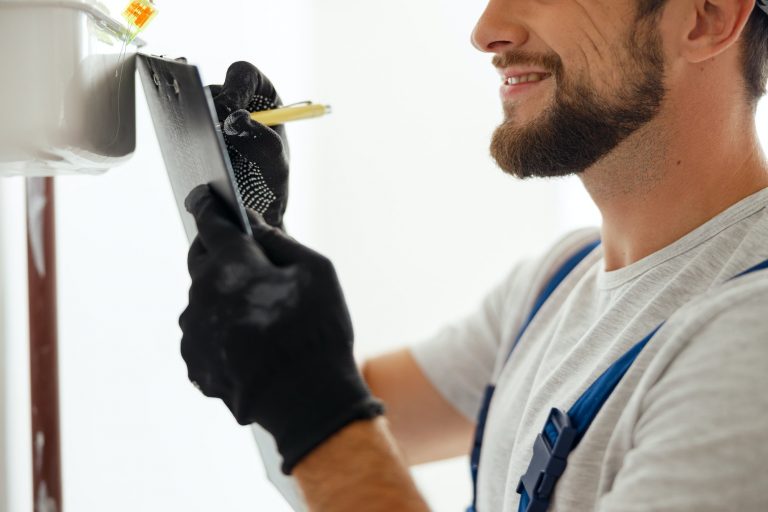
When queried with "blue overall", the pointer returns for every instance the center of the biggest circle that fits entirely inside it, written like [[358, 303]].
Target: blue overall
[[563, 430]]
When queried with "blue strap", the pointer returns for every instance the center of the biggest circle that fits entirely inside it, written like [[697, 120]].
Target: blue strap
[[558, 277], [583, 412], [759, 266], [551, 285], [563, 431], [474, 459]]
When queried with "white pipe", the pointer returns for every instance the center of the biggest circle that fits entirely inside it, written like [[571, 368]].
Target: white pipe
[[15, 440]]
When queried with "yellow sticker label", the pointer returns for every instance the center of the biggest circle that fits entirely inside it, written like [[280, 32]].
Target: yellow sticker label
[[139, 13]]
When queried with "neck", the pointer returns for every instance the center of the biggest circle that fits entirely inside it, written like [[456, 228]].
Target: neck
[[672, 176]]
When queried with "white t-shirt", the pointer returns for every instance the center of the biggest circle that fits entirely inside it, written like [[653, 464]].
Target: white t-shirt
[[687, 427]]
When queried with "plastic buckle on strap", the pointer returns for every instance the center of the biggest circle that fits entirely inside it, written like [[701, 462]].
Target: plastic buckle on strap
[[548, 461]]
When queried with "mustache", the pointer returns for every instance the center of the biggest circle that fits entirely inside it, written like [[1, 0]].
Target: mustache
[[549, 61]]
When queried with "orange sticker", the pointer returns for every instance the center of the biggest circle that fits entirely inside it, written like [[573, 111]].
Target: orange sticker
[[139, 13]]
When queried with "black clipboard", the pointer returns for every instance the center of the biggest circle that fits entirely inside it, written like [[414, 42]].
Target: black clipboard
[[189, 135]]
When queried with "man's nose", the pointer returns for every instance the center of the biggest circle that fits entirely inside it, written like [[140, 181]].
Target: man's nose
[[499, 30]]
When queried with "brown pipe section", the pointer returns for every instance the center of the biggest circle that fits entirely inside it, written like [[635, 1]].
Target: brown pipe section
[[44, 370]]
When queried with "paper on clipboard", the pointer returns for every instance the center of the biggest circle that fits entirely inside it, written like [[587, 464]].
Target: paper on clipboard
[[272, 461], [190, 141]]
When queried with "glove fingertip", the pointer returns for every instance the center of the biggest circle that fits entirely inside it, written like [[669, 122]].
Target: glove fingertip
[[243, 69], [241, 130], [194, 200], [239, 123]]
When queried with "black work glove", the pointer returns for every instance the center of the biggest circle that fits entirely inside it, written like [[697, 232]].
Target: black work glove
[[267, 330], [259, 154]]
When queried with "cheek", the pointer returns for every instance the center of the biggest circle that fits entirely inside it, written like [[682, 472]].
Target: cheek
[[589, 41], [605, 70]]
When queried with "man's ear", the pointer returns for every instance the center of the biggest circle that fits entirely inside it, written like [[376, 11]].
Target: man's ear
[[713, 26]]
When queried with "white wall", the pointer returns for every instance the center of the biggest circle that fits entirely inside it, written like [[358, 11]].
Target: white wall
[[3, 365], [396, 187], [5, 332]]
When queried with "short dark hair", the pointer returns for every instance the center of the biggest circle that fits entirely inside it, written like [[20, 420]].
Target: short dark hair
[[754, 54], [754, 48]]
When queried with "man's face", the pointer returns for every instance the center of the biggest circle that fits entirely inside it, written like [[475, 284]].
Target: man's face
[[581, 77]]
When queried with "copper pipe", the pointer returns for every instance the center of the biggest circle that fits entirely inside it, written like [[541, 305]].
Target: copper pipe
[[43, 353]]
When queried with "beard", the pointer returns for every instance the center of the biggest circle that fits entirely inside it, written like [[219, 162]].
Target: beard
[[581, 126]]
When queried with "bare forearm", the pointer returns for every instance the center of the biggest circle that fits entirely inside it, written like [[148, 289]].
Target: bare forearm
[[425, 425], [359, 468]]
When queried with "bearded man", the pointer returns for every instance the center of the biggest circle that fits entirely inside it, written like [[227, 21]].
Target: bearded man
[[625, 369]]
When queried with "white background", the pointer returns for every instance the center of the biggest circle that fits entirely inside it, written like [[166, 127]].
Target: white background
[[396, 187]]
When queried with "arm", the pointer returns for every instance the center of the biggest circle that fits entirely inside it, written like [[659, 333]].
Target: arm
[[358, 468], [267, 331], [416, 410], [361, 467]]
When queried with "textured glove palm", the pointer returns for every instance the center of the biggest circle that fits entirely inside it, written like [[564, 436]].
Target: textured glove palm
[[259, 154], [267, 330]]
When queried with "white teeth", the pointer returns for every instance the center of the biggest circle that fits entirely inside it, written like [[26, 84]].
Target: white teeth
[[521, 79]]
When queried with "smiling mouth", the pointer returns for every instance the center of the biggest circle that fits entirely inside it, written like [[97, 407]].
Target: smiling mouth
[[523, 79]]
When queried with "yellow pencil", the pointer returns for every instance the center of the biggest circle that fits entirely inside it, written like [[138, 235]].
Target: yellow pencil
[[290, 113]]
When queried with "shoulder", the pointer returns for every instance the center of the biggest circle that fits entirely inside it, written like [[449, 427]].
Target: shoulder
[[699, 434], [736, 309], [717, 343]]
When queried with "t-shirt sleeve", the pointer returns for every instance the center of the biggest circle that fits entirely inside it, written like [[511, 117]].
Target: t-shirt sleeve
[[459, 360], [701, 440], [462, 358]]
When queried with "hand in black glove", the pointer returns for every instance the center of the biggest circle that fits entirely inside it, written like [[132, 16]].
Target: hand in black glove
[[267, 331], [259, 154]]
